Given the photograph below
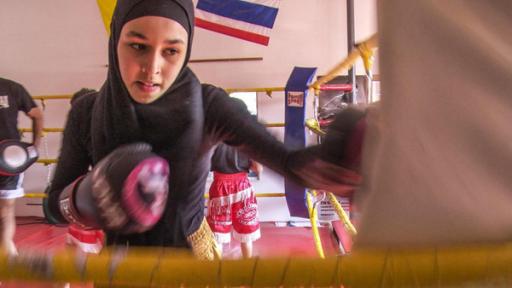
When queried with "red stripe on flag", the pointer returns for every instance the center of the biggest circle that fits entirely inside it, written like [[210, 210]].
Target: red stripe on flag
[[253, 37]]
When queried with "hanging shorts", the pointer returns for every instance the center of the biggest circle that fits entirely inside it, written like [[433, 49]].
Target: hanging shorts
[[10, 186], [232, 204]]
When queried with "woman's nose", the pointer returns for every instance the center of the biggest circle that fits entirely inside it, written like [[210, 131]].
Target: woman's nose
[[152, 65]]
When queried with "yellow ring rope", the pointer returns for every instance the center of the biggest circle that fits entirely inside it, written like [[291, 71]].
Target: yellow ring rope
[[47, 130], [47, 161], [267, 91], [270, 125], [35, 195], [258, 195], [348, 62], [366, 55], [475, 266], [51, 97], [60, 130], [312, 209], [342, 214], [314, 126]]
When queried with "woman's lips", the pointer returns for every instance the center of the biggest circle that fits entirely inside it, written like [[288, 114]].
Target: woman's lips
[[147, 87]]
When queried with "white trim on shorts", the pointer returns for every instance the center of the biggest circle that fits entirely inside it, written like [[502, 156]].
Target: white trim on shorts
[[222, 238], [247, 237], [15, 193]]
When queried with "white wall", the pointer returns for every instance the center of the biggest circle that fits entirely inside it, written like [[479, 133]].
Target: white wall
[[59, 46]]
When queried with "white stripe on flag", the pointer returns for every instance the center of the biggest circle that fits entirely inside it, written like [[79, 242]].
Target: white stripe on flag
[[268, 3], [232, 23]]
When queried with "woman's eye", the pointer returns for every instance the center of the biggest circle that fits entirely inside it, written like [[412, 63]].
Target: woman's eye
[[171, 51], [138, 47]]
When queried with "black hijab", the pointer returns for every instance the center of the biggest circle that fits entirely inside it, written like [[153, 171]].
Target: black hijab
[[172, 124], [174, 118]]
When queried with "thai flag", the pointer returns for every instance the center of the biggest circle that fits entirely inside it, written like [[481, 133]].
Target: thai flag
[[251, 20]]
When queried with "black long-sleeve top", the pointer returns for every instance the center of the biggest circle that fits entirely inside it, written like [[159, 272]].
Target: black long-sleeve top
[[224, 120], [226, 159]]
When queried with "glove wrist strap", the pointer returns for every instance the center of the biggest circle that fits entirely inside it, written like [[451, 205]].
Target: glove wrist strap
[[67, 205]]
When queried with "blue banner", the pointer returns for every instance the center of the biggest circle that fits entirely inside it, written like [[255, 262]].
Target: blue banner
[[296, 91]]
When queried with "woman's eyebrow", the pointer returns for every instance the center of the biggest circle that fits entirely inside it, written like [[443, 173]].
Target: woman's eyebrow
[[143, 37], [174, 41], [136, 34]]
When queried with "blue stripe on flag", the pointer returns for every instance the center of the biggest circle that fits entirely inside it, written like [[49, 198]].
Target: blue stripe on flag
[[240, 10]]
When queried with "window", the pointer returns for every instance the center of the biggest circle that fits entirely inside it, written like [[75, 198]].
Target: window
[[250, 99]]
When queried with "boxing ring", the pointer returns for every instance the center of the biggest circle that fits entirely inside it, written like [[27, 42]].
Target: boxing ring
[[470, 265], [111, 265], [312, 202]]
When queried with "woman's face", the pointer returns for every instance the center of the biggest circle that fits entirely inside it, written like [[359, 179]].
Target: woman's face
[[151, 52]]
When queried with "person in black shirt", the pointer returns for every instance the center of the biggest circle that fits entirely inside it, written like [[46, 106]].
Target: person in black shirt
[[152, 96], [81, 93], [14, 98], [231, 201]]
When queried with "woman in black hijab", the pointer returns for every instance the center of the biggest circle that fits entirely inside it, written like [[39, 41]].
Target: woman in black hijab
[[150, 95]]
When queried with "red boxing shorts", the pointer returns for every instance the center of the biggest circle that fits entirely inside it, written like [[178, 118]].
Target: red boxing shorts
[[232, 203]]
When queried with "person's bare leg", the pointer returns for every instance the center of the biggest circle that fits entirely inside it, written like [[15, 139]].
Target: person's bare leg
[[246, 249], [219, 247], [8, 225]]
